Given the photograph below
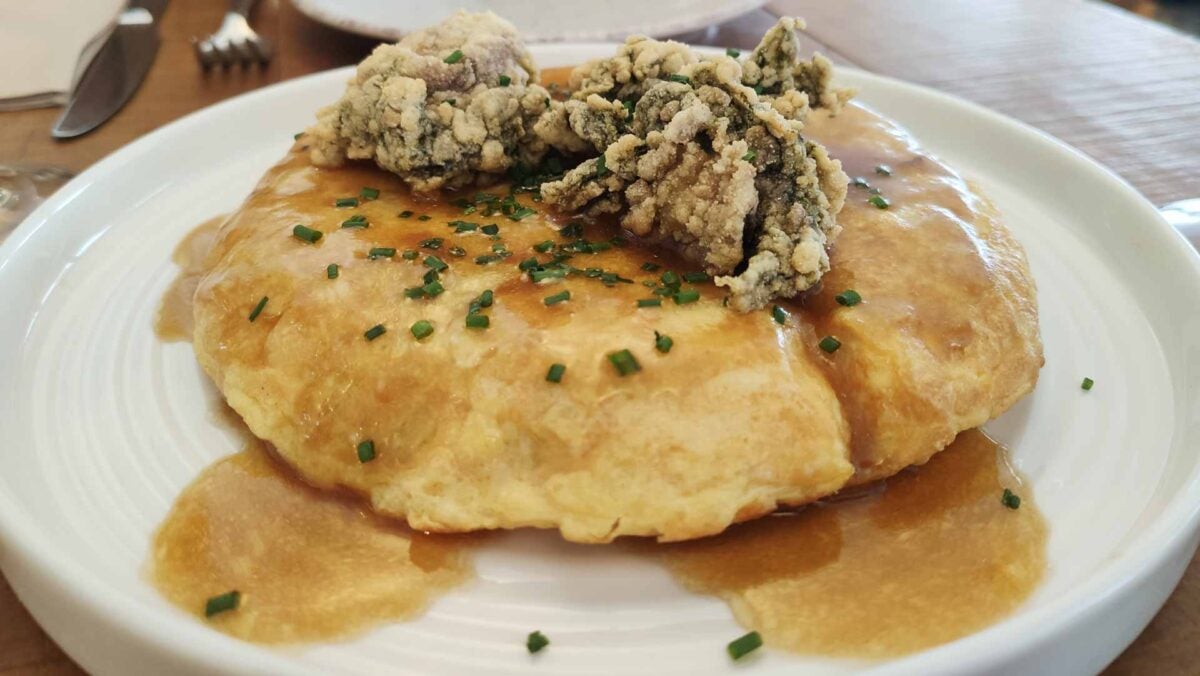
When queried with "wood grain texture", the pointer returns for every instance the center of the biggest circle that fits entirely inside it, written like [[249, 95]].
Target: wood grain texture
[[1122, 89]]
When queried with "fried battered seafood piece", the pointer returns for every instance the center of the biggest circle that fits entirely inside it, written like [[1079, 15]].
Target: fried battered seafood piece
[[445, 107], [694, 156]]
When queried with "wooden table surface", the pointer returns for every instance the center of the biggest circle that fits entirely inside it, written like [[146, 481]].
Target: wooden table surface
[[1120, 88]]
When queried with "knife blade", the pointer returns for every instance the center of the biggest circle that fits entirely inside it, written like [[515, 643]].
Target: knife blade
[[115, 72]]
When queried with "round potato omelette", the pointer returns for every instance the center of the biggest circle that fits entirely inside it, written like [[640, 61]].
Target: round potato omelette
[[712, 417]]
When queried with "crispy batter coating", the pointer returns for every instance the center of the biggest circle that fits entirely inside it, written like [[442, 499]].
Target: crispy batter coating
[[434, 108], [706, 163]]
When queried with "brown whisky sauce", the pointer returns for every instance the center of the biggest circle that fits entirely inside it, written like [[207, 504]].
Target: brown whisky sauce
[[911, 562], [309, 565], [904, 564]]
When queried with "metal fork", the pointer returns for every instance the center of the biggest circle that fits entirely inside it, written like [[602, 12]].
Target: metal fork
[[235, 41]]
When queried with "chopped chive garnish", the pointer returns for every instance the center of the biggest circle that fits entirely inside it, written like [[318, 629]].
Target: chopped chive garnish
[[381, 252], [332, 271], [222, 603], [374, 332], [750, 155], [859, 182], [478, 321], [490, 229], [521, 212], [685, 297], [849, 298], [258, 309], [696, 277], [536, 641], [296, 137], [485, 298], [543, 247], [650, 267], [355, 221], [366, 451], [346, 202], [733, 52], [452, 101], [829, 344], [505, 80], [414, 292], [454, 57], [571, 230], [422, 329], [624, 362], [430, 276], [433, 243], [553, 273], [424, 217], [498, 247], [779, 314], [369, 193], [463, 226], [678, 77], [487, 258], [662, 342], [883, 170], [1087, 383], [879, 201], [649, 302], [457, 251], [669, 278], [307, 234], [556, 372], [744, 645], [433, 289], [406, 214], [629, 106], [1010, 500], [435, 263], [601, 166], [410, 255], [557, 298]]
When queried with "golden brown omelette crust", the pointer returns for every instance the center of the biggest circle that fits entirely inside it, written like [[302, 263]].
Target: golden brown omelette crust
[[742, 415]]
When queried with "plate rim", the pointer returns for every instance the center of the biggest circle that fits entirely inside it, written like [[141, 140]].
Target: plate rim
[[998, 644]]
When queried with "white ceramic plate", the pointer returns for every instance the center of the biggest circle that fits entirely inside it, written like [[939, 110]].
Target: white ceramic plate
[[538, 20], [101, 425]]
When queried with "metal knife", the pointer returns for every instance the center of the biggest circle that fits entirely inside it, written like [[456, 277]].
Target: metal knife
[[116, 71]]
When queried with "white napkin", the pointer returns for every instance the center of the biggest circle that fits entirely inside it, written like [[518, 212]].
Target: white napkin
[[46, 44]]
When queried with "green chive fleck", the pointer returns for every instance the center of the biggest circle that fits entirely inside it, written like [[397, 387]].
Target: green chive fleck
[[306, 234], [829, 344], [779, 314], [750, 155], [435, 263], [859, 182], [368, 194], [490, 229], [685, 297], [536, 642], [424, 217], [662, 342], [381, 252], [744, 645], [879, 201], [1010, 500], [478, 321], [650, 267], [624, 362], [883, 170], [601, 166], [485, 298], [735, 53], [409, 255], [346, 202], [258, 309], [1087, 383], [222, 603], [555, 373], [649, 302], [374, 332], [414, 292], [680, 78], [433, 289], [457, 251], [669, 278], [332, 271], [406, 214], [696, 277], [422, 329], [543, 247], [553, 273], [366, 451], [557, 298], [454, 57], [848, 298], [505, 80], [433, 243], [355, 221]]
